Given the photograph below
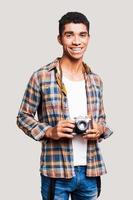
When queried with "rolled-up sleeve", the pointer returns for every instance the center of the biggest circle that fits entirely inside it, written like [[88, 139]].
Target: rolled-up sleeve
[[102, 117], [29, 106]]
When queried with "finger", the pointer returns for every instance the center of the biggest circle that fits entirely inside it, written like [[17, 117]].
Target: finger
[[65, 135], [70, 121], [94, 124], [66, 121], [67, 125], [91, 131], [69, 130], [90, 136]]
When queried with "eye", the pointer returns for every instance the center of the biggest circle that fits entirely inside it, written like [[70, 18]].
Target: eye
[[68, 35], [83, 34]]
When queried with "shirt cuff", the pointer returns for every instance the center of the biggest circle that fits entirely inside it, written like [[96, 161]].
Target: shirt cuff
[[107, 132], [39, 131]]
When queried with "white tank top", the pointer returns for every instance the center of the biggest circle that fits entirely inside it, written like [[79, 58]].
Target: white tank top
[[76, 95]]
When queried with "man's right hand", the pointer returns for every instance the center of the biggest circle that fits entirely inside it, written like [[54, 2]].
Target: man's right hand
[[63, 129]]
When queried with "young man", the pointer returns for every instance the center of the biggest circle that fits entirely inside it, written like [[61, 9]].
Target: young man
[[60, 92]]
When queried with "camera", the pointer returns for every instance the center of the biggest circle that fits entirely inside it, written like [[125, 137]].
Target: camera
[[82, 124]]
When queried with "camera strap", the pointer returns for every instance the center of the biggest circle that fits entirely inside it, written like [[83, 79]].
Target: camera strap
[[86, 74]]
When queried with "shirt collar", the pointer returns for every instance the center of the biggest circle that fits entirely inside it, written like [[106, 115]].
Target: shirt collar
[[55, 64]]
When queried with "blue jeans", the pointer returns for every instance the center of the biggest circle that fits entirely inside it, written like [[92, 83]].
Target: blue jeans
[[79, 187]]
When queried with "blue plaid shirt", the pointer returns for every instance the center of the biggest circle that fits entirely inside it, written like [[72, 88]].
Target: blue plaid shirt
[[43, 96]]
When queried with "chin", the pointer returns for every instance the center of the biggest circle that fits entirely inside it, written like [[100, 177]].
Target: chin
[[75, 57]]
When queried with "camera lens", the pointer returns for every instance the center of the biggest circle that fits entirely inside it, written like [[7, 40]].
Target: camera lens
[[82, 125]]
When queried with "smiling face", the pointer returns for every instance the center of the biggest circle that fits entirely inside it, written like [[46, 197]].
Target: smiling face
[[74, 40]]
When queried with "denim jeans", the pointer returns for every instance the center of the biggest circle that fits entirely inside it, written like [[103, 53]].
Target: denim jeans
[[79, 187]]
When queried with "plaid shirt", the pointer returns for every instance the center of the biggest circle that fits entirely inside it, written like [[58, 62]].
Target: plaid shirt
[[43, 95]]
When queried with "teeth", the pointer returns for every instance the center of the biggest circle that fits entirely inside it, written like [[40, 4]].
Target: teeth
[[76, 49]]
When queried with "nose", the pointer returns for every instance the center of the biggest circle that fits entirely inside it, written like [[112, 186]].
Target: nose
[[76, 41]]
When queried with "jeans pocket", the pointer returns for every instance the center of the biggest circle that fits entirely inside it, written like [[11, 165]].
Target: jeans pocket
[[45, 185]]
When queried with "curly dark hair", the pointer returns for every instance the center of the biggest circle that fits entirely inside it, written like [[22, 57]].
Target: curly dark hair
[[73, 17]]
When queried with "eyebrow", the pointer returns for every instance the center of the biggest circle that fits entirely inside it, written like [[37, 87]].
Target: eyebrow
[[68, 32], [71, 32]]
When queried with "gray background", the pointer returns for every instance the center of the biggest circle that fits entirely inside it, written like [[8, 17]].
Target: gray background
[[27, 41]]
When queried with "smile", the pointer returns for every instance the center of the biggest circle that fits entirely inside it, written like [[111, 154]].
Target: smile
[[76, 49]]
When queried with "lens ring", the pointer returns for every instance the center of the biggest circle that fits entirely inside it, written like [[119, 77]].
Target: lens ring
[[82, 125]]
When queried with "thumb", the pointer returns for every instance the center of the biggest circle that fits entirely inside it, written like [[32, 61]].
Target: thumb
[[94, 124], [91, 120]]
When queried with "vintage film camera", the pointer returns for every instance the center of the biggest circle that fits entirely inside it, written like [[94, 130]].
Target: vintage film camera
[[82, 124]]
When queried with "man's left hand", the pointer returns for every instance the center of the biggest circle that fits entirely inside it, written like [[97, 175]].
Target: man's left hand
[[95, 132]]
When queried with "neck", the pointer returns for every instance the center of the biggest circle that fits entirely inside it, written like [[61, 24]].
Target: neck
[[71, 66]]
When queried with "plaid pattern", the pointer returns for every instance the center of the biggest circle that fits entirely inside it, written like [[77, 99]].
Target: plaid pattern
[[43, 95]]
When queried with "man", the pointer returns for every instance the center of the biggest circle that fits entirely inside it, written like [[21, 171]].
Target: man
[[60, 92]]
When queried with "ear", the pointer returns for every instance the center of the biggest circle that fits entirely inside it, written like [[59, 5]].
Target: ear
[[59, 39]]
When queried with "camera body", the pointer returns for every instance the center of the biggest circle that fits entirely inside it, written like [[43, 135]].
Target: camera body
[[82, 124]]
